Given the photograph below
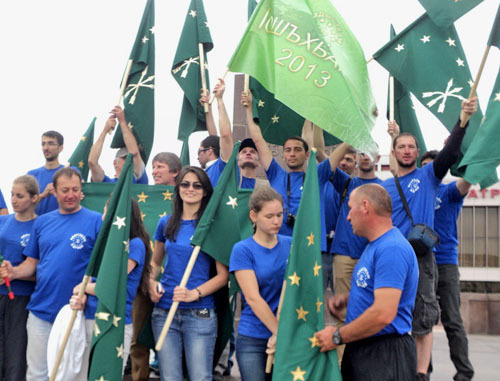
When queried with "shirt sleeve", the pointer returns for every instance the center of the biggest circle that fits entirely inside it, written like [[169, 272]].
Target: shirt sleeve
[[3, 205], [160, 230], [324, 172], [137, 251], [31, 249], [241, 258], [453, 193], [390, 268], [339, 180], [273, 170]]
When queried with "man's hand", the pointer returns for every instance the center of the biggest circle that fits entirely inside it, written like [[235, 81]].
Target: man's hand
[[219, 89], [271, 345], [204, 97], [76, 303], [337, 303], [325, 338], [6, 269], [393, 128], [469, 106], [246, 99], [118, 113], [110, 124]]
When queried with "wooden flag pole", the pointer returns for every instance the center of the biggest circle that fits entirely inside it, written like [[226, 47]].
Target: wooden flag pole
[[173, 308], [391, 98], [369, 60], [464, 118], [123, 86], [60, 354], [246, 86], [270, 358], [213, 95], [203, 73]]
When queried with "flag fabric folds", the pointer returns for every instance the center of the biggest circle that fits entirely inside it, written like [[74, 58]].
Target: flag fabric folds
[[445, 12], [80, 156], [304, 53], [302, 314], [138, 99], [186, 71], [494, 39]]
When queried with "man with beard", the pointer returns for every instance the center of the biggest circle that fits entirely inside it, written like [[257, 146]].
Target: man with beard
[[420, 187]]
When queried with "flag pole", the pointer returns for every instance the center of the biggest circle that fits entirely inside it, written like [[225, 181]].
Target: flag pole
[[213, 95], [85, 281], [122, 87], [464, 118], [246, 86], [391, 98], [270, 358], [173, 308], [203, 73]]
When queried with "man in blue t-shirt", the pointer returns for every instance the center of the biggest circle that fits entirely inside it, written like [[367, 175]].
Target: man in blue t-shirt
[[380, 304], [420, 187], [449, 201], [58, 252], [131, 146]]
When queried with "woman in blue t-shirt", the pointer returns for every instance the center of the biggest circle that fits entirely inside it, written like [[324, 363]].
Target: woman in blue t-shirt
[[15, 230], [259, 264], [194, 327]]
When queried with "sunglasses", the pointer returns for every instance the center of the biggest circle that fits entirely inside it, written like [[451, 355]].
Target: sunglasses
[[187, 184], [203, 150]]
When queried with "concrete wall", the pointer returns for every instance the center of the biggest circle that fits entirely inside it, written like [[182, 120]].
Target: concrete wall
[[481, 313]]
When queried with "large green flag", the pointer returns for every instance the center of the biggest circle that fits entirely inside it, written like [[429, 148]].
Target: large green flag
[[80, 156], [186, 71], [494, 39], [303, 52], [109, 263], [139, 98], [298, 355], [445, 12], [404, 111]]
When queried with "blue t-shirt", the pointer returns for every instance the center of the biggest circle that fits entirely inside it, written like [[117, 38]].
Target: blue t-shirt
[[63, 244], [344, 241], [278, 178], [214, 173], [3, 205], [142, 180], [331, 201], [449, 202], [420, 189], [44, 176], [14, 236], [269, 266], [177, 257], [387, 262], [137, 252]]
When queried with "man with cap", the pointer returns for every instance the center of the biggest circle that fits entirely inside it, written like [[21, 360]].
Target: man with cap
[[97, 173]]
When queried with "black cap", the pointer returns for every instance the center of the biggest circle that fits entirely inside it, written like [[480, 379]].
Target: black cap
[[248, 142]]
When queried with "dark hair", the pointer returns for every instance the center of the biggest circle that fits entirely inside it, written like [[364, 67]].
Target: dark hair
[[378, 197], [56, 135], [65, 171], [394, 143], [174, 222], [29, 183], [212, 141], [171, 159], [432, 154], [298, 138], [261, 195], [137, 230]]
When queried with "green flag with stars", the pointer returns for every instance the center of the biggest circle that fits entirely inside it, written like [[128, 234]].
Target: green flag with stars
[[80, 156], [109, 263], [186, 71], [494, 39], [445, 12], [138, 99], [297, 353]]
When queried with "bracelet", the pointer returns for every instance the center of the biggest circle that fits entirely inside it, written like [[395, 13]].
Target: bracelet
[[199, 293]]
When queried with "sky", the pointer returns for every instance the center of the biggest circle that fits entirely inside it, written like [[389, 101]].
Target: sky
[[63, 62]]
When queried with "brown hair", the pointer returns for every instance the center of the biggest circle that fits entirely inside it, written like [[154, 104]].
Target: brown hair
[[29, 183], [261, 195]]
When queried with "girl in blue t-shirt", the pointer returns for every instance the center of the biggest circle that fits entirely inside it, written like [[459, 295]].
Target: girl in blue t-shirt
[[194, 327], [259, 264], [15, 230]]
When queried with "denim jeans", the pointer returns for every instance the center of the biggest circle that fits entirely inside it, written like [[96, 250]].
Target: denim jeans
[[36, 351], [251, 356], [195, 334]]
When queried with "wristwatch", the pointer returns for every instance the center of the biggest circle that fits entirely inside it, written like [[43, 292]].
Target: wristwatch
[[337, 339]]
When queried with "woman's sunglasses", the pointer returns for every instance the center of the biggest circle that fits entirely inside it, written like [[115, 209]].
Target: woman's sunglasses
[[187, 184]]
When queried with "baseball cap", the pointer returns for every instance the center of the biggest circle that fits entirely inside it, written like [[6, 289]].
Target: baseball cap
[[248, 142]]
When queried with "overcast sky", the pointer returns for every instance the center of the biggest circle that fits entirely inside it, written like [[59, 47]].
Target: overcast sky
[[62, 63]]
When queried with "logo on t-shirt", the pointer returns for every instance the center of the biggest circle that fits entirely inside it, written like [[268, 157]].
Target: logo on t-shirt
[[437, 203], [413, 185], [362, 276], [25, 239], [77, 241]]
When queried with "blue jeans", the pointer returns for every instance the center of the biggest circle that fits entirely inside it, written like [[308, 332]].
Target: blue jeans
[[251, 356], [195, 334]]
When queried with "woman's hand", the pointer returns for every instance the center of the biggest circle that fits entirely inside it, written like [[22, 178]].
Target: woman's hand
[[155, 290], [271, 345], [182, 294], [76, 303]]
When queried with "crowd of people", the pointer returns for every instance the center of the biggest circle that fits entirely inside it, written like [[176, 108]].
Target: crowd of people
[[384, 286]]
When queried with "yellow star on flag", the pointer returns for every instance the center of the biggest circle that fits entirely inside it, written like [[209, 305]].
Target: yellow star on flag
[[97, 331], [127, 246], [298, 374], [232, 202], [316, 268], [192, 13], [460, 62], [81, 164], [497, 97], [142, 197], [261, 103], [310, 238], [120, 222], [450, 42], [102, 315], [145, 39], [295, 279], [130, 125], [152, 29], [116, 319], [83, 138], [314, 341], [119, 351], [318, 305], [425, 39], [301, 313], [167, 195], [101, 379], [399, 47], [275, 119], [163, 214], [142, 216]]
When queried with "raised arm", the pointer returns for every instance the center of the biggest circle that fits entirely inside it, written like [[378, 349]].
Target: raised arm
[[393, 131], [337, 155], [96, 171], [209, 116], [463, 187], [226, 136], [319, 143]]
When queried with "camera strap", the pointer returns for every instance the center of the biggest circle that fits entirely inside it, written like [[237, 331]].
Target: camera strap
[[403, 199], [288, 190]]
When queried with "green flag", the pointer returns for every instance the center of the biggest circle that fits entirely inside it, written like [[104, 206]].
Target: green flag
[[404, 111], [109, 263], [297, 353], [483, 156], [80, 156], [445, 12], [494, 39], [138, 99], [186, 71], [303, 52]]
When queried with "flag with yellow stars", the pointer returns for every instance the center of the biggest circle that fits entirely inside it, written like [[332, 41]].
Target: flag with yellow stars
[[445, 12], [187, 73], [138, 99], [303, 52], [80, 156], [109, 264], [297, 353]]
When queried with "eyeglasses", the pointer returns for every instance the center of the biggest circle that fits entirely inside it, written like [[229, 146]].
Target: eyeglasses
[[187, 184], [50, 144], [203, 150]]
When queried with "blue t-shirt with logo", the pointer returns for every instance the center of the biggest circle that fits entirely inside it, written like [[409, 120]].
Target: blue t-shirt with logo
[[344, 241], [449, 202], [14, 236], [278, 178], [387, 262], [44, 176], [63, 244], [420, 189], [3, 205], [178, 254], [141, 180], [214, 173], [269, 266]]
